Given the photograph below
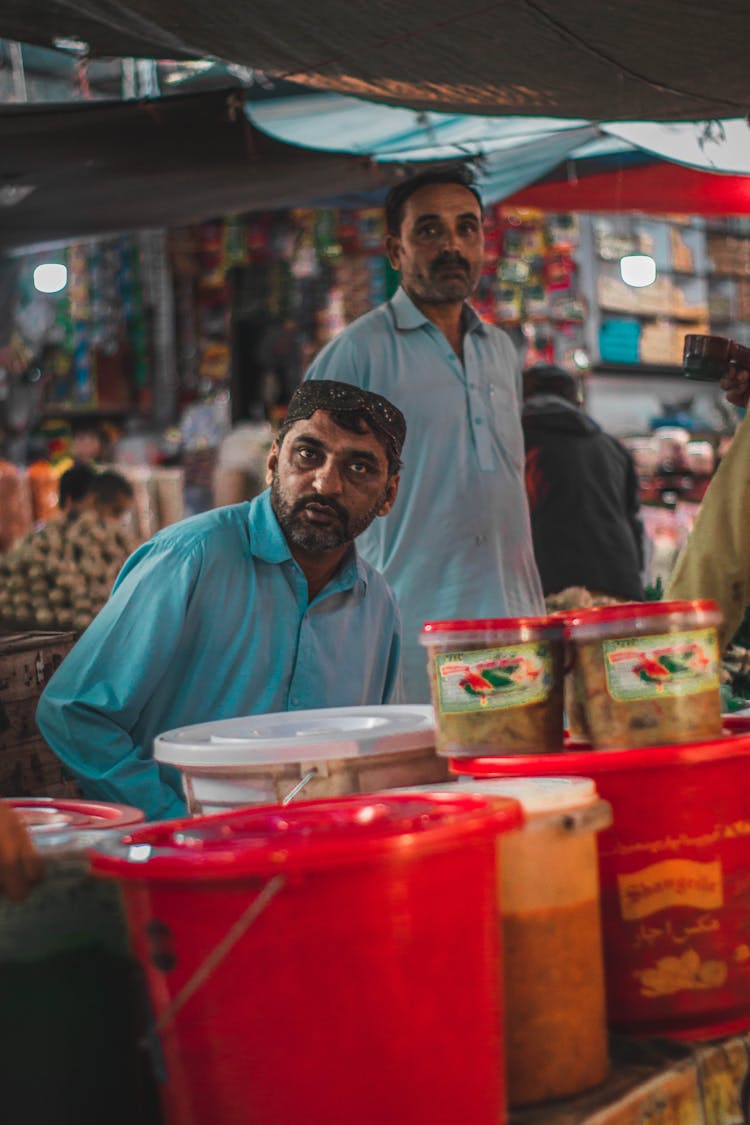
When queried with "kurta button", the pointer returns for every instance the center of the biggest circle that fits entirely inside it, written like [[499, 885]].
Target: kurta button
[[478, 421]]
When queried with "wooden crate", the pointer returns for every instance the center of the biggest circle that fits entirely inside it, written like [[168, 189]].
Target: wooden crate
[[28, 767]]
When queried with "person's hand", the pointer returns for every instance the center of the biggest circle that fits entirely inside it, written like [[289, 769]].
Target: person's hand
[[736, 383], [20, 864]]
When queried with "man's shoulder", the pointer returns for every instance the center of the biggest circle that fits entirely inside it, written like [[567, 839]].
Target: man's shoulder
[[355, 343], [213, 527]]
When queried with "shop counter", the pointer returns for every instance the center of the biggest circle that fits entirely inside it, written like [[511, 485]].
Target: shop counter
[[660, 1082]]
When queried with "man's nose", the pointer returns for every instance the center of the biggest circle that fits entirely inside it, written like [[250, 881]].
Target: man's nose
[[451, 240], [328, 480]]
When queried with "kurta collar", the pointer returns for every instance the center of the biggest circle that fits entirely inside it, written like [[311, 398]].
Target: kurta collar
[[268, 543], [408, 317]]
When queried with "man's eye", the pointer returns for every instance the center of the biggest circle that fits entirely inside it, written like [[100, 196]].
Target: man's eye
[[469, 228], [430, 230], [360, 468], [306, 454]]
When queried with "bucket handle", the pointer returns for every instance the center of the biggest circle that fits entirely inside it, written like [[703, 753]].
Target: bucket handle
[[218, 953], [299, 786]]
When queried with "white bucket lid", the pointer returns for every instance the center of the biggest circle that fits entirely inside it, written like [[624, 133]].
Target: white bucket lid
[[538, 794], [293, 736]]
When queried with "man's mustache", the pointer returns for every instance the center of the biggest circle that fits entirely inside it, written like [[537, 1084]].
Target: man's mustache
[[449, 260], [320, 502]]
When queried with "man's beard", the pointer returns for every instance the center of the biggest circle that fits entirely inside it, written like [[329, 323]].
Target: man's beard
[[313, 539]]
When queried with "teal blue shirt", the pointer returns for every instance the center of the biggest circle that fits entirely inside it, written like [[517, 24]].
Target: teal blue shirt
[[457, 542], [210, 620]]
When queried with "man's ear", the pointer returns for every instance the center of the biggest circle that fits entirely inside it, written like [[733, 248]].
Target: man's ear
[[393, 250], [272, 462], [391, 490]]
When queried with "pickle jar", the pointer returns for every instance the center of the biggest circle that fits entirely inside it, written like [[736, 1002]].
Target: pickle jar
[[647, 673], [551, 958], [496, 685]]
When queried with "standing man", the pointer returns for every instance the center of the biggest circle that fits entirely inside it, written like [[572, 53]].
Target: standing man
[[257, 607], [458, 542], [583, 493]]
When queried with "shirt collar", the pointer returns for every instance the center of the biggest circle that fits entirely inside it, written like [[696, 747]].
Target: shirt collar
[[407, 316], [268, 543]]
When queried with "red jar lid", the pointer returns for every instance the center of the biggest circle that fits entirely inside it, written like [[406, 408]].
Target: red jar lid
[[595, 763], [526, 628], [308, 836], [639, 617], [53, 814]]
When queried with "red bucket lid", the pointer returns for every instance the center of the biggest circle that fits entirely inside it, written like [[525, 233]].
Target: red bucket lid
[[593, 763], [639, 614], [52, 814], [548, 625], [310, 835]]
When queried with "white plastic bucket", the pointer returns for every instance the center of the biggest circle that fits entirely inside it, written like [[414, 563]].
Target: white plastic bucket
[[330, 752]]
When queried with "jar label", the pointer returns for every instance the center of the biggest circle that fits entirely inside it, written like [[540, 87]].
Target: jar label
[[656, 667], [670, 883], [493, 678]]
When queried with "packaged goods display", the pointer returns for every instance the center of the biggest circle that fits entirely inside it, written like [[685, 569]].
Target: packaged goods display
[[496, 684], [646, 673]]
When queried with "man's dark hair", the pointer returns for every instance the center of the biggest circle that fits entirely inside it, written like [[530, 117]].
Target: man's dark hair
[[548, 378], [108, 486], [460, 174], [75, 484], [350, 408]]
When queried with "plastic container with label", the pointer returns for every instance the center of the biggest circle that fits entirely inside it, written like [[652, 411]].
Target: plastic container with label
[[647, 673], [73, 1012], [352, 953], [555, 1012], [497, 684], [551, 951], [330, 752], [674, 880]]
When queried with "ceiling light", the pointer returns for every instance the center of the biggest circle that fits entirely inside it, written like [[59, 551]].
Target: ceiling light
[[11, 194], [638, 270], [50, 277], [69, 43]]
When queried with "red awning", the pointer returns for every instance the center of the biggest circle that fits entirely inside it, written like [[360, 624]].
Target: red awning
[[659, 187]]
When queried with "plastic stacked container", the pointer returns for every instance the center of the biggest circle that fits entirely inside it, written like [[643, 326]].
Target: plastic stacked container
[[333, 961], [551, 950], [496, 684], [294, 755], [646, 673], [673, 869]]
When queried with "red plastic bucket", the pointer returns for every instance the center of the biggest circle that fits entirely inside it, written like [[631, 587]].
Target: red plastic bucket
[[366, 988], [675, 876]]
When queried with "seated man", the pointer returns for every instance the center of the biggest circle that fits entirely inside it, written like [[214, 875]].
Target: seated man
[[257, 607]]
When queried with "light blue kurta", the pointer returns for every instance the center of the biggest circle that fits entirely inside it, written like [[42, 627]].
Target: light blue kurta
[[457, 542], [210, 620]]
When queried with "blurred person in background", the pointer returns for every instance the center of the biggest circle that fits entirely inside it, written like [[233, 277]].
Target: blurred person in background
[[61, 576], [715, 561], [75, 486], [583, 493]]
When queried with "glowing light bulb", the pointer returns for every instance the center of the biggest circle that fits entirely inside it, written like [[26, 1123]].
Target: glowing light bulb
[[638, 270], [50, 277]]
